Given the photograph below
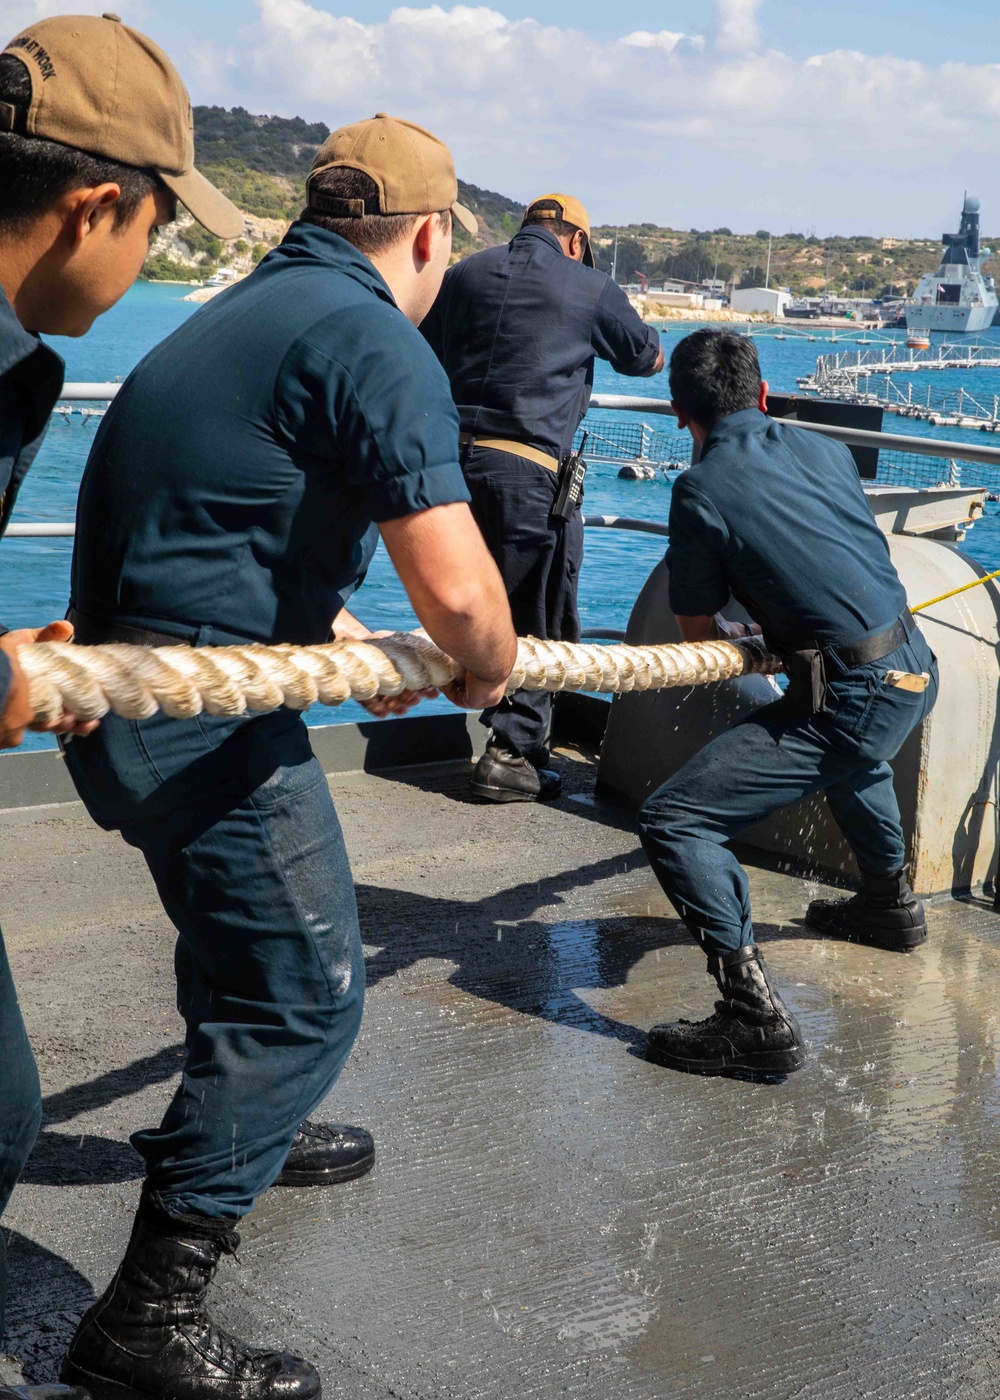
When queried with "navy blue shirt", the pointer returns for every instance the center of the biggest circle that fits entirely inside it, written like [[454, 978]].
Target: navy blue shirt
[[776, 517], [231, 490], [517, 329], [31, 379]]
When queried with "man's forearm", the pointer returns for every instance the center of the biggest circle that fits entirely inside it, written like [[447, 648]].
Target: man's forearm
[[656, 367], [454, 587], [348, 628], [703, 628], [463, 634], [479, 635]]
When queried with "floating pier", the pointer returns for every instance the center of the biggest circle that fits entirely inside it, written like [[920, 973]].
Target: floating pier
[[868, 377]]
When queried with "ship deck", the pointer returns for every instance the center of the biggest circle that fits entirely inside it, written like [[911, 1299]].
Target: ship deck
[[549, 1215]]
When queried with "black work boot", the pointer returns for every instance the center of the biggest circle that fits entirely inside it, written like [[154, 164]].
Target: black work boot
[[323, 1154], [885, 913], [150, 1338], [504, 776], [752, 1029], [43, 1392]]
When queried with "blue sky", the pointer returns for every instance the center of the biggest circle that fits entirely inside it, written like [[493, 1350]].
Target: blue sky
[[919, 29], [846, 117], [922, 29]]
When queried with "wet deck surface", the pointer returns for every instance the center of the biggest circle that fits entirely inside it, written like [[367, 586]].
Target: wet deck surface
[[550, 1215]]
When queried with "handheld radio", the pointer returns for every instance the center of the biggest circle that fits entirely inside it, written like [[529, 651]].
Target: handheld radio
[[569, 492]]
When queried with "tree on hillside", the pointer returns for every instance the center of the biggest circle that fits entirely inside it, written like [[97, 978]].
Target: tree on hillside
[[274, 145], [632, 258], [752, 277], [693, 262]]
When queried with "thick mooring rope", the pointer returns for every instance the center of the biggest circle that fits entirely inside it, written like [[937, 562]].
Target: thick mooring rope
[[183, 681]]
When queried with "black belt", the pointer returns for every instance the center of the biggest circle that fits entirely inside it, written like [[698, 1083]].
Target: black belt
[[879, 644], [95, 631], [806, 669]]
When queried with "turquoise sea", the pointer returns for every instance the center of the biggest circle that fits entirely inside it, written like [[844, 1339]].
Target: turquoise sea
[[34, 574]]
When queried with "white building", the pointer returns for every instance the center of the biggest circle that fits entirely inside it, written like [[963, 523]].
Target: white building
[[759, 299], [688, 300]]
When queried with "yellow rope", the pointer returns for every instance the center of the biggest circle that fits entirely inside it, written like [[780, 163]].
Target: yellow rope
[[964, 589]]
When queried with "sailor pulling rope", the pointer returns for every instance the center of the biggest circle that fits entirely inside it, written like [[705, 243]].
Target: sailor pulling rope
[[182, 681]]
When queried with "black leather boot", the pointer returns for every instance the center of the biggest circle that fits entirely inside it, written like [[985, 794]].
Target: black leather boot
[[752, 1029], [150, 1338], [43, 1392], [323, 1154], [503, 776], [885, 913]]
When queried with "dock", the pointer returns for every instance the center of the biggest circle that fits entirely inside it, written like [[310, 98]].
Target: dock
[[869, 377], [549, 1215]]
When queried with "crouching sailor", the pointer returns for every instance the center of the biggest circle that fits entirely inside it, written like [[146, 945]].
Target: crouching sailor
[[775, 517]]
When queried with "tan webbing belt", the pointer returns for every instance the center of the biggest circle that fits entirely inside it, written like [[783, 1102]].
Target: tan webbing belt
[[516, 449]]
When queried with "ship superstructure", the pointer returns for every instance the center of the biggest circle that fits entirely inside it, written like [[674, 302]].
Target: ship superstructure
[[959, 296]]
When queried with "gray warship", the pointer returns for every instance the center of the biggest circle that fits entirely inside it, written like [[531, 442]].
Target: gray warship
[[960, 296]]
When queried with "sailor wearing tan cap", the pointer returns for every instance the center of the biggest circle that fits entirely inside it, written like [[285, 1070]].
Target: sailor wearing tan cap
[[313, 410], [517, 329], [95, 150]]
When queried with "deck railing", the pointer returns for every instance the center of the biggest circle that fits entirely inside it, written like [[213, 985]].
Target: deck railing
[[899, 457]]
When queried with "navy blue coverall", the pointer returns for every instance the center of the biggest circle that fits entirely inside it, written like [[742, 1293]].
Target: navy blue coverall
[[31, 377], [229, 497], [517, 329], [776, 517]]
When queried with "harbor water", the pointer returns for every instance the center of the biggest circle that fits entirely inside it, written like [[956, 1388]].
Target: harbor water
[[34, 573]]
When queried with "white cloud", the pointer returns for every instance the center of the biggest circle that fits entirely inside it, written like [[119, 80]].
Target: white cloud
[[736, 25], [714, 128], [666, 39]]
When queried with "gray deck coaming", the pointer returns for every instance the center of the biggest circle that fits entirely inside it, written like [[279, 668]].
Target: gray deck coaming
[[550, 1215], [39, 777]]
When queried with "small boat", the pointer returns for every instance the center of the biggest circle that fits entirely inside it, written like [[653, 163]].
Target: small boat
[[918, 340]]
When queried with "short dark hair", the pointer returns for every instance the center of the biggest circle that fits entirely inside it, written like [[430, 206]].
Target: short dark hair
[[541, 213], [35, 173], [372, 232], [713, 374]]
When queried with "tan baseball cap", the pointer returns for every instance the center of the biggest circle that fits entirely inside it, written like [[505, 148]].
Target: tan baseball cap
[[106, 89], [413, 170], [573, 213]]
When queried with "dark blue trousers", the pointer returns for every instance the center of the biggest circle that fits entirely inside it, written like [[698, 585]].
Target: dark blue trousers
[[20, 1105], [539, 561], [236, 823], [775, 757]]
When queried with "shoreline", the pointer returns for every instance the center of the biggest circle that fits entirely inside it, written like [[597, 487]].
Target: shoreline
[[170, 282]]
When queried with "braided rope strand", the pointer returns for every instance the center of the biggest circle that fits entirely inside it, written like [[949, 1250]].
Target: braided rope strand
[[136, 682]]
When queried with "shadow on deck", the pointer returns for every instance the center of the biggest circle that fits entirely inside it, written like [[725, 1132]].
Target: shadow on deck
[[550, 1215]]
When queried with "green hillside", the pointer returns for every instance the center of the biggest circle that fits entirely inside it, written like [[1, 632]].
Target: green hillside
[[262, 162], [806, 264]]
